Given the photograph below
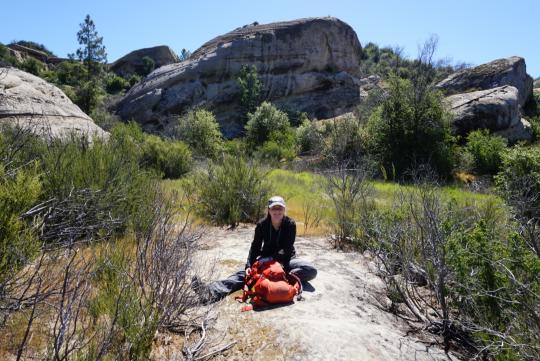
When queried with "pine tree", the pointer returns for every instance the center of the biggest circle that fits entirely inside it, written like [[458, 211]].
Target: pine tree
[[92, 51]]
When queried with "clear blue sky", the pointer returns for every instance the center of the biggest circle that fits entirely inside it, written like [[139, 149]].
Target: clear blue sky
[[473, 31]]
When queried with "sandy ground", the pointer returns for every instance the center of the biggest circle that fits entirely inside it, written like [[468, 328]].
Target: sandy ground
[[339, 318]]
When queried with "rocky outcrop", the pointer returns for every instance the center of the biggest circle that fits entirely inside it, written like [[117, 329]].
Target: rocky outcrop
[[21, 52], [133, 62], [34, 53], [494, 109], [31, 102], [306, 65], [490, 96], [517, 132], [510, 71]]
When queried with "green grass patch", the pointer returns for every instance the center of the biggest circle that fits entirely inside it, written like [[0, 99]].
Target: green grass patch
[[305, 195]]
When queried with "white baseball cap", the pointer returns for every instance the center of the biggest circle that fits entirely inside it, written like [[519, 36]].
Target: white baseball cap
[[276, 201]]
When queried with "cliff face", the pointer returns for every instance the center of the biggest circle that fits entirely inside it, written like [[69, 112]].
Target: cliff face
[[306, 65]]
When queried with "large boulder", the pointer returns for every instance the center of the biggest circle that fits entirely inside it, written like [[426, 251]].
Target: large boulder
[[510, 71], [518, 132], [494, 109], [306, 65], [29, 101], [133, 62]]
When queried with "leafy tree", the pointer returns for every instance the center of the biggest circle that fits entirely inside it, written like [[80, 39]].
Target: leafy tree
[[250, 87], [411, 128], [92, 51]]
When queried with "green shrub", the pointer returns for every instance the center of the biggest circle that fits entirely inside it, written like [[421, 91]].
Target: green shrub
[[134, 79], [279, 147], [115, 84], [268, 124], [6, 58], [353, 208], [71, 73], [386, 61], [519, 178], [535, 124], [148, 65], [410, 129], [19, 191], [33, 66], [486, 150], [233, 191], [117, 298], [104, 177], [478, 250], [310, 140], [500, 273], [172, 158], [105, 119], [200, 130], [88, 96], [344, 142], [265, 120]]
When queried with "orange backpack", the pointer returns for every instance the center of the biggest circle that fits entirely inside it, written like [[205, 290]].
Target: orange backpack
[[268, 283]]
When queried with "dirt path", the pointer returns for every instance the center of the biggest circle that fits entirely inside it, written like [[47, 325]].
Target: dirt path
[[338, 319]]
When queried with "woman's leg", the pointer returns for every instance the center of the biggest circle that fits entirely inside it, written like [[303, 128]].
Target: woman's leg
[[220, 289], [303, 269]]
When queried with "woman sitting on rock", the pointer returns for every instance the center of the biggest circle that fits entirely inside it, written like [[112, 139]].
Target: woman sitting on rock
[[274, 237]]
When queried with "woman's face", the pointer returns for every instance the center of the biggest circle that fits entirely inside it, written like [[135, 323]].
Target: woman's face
[[277, 213]]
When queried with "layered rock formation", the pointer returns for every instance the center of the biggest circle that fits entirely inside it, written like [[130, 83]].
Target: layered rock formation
[[509, 71], [133, 62], [29, 101], [21, 52], [490, 96], [306, 65]]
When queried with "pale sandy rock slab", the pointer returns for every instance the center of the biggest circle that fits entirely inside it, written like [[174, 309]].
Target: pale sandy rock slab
[[29, 101]]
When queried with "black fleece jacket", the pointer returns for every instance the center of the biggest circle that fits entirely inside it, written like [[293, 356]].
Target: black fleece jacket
[[269, 242]]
